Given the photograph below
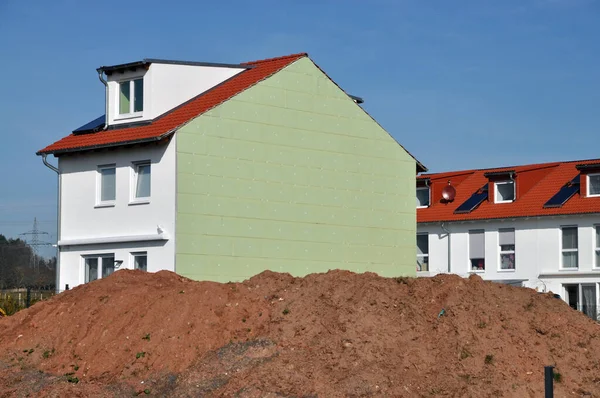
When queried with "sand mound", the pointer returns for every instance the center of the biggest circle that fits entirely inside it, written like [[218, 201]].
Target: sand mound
[[326, 335]]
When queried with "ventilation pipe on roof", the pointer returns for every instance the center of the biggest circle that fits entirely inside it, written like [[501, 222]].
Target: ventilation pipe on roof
[[449, 247], [100, 73]]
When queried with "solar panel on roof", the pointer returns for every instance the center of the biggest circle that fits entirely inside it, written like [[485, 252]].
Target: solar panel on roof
[[475, 200], [91, 126], [565, 193]]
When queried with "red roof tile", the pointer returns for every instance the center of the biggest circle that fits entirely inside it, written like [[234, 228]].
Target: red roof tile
[[169, 122], [535, 185]]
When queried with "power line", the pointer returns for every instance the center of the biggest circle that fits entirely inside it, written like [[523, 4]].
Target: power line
[[25, 222], [35, 242]]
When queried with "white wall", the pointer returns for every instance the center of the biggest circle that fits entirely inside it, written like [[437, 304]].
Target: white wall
[[537, 252], [537, 248], [160, 257], [81, 218], [165, 87]]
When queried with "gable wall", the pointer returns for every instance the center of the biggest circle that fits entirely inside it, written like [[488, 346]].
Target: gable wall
[[292, 176]]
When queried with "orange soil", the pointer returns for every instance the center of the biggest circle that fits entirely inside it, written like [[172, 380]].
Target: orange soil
[[337, 334]]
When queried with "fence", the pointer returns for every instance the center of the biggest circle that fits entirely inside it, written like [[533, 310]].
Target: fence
[[13, 300]]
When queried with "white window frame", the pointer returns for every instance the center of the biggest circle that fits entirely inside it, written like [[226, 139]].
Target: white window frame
[[133, 200], [131, 112], [580, 286], [588, 194], [423, 256], [501, 252], [562, 250], [428, 197], [99, 258], [99, 201], [496, 196], [596, 247], [469, 250], [138, 254]]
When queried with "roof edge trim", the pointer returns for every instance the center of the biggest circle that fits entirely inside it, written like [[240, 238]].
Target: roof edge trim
[[108, 145], [148, 61]]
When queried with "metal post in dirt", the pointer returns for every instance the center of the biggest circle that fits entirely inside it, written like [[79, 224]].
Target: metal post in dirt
[[549, 381], [28, 297]]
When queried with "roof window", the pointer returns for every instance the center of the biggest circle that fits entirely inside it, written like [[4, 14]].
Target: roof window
[[131, 97], [423, 193], [504, 192], [593, 185]]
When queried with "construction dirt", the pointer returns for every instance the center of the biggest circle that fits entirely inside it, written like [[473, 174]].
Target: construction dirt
[[337, 334]]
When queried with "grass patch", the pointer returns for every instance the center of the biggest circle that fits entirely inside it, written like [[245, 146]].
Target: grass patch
[[557, 377], [140, 355], [71, 378], [47, 354], [286, 311], [146, 337]]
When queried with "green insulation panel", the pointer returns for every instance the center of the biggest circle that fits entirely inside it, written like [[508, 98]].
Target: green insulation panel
[[293, 176]]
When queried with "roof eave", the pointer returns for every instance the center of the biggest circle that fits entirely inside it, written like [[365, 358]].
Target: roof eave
[[471, 220], [108, 145]]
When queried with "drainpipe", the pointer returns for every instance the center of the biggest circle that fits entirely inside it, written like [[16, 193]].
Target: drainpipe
[[57, 171], [100, 73], [449, 245], [512, 178]]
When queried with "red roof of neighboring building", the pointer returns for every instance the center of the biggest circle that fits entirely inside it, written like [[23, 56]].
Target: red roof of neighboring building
[[166, 124], [535, 185]]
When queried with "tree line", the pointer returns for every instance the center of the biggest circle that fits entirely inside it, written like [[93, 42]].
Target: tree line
[[21, 268]]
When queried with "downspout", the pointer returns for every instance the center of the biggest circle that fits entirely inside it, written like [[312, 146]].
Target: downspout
[[512, 178], [57, 171], [100, 73], [449, 244]]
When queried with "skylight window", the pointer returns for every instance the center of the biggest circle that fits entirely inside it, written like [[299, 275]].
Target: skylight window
[[505, 192]]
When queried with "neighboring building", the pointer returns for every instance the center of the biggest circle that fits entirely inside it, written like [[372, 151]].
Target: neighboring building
[[536, 225], [219, 172]]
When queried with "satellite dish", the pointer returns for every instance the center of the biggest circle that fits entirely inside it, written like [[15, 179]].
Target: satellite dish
[[448, 193]]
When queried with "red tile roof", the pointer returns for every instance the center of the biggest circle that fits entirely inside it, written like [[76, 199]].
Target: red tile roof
[[535, 185], [166, 124]]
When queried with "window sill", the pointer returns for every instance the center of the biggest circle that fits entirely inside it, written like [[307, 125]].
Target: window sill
[[479, 271], [504, 201], [568, 269], [102, 205], [422, 207], [128, 116], [139, 202], [507, 270]]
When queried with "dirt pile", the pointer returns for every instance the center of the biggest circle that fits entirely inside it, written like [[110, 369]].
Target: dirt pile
[[326, 335]]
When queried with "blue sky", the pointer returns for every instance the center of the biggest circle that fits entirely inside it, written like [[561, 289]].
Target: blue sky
[[461, 84]]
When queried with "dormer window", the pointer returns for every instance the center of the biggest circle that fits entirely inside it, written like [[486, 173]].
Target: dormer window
[[593, 185], [423, 197], [504, 192], [131, 96]]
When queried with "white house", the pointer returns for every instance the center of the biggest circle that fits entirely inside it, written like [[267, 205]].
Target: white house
[[219, 171], [536, 226]]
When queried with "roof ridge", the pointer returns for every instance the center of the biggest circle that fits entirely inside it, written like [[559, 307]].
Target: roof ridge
[[283, 57], [529, 166]]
